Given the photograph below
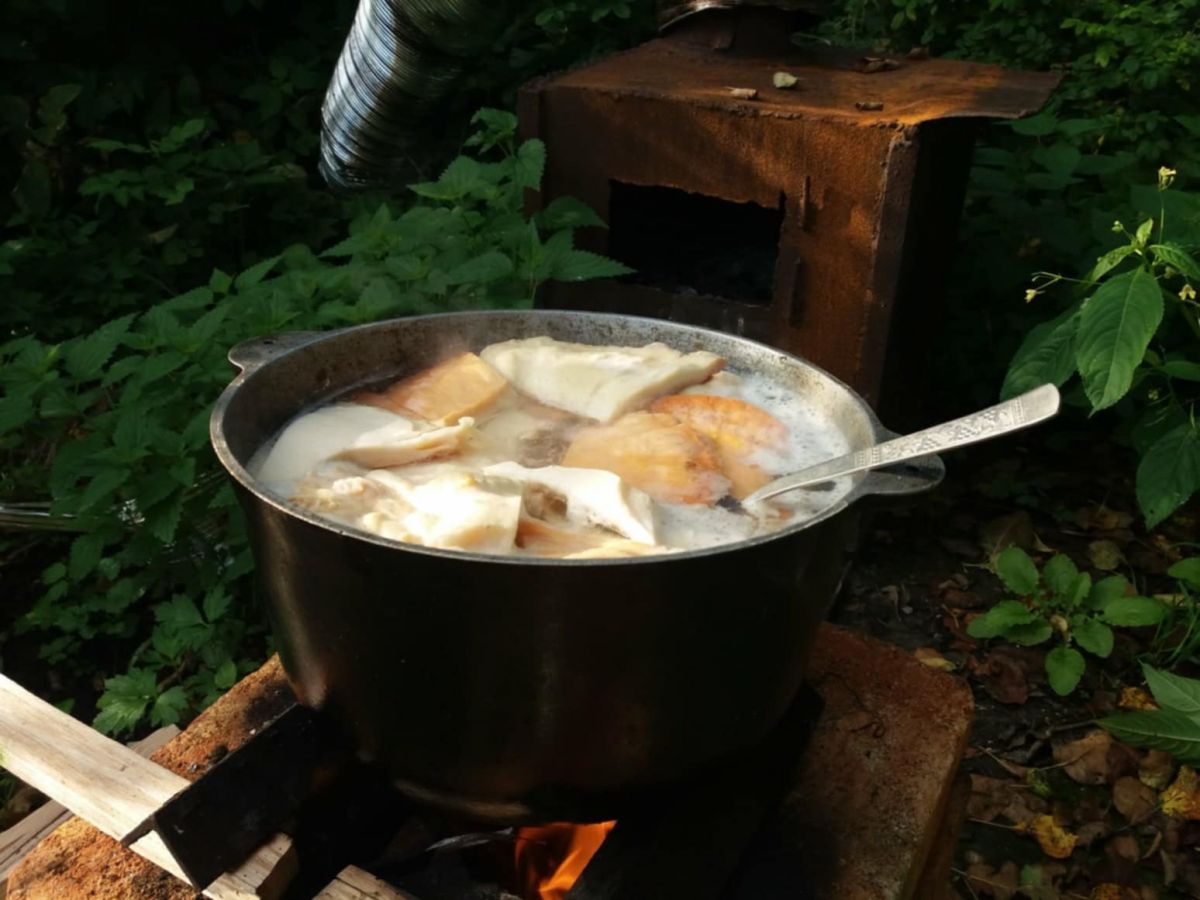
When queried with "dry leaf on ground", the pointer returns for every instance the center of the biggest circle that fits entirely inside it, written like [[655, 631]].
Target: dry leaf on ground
[[1055, 841], [1135, 698], [1101, 518], [1105, 892], [1105, 555], [1182, 798], [933, 659], [1155, 769], [1134, 800], [1086, 760], [1012, 530], [994, 797], [1006, 672]]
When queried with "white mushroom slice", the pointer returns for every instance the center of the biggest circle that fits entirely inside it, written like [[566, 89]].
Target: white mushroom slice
[[457, 510], [593, 497], [616, 549], [600, 383], [316, 436], [400, 443]]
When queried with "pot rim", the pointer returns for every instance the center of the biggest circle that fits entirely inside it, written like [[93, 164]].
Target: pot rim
[[257, 354]]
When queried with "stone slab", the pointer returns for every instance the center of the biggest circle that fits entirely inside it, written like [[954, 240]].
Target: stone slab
[[865, 813]]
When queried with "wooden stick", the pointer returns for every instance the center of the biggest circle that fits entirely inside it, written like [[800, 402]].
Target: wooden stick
[[352, 883], [18, 841], [113, 788]]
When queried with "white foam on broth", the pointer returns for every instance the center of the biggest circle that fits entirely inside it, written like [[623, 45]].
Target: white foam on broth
[[503, 429]]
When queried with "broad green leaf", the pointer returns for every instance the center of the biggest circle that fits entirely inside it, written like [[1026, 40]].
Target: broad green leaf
[[1094, 637], [582, 265], [220, 282], [1178, 259], [1173, 691], [162, 520], [86, 356], [15, 411], [568, 212], [1181, 369], [1035, 126], [531, 163], [169, 706], [1060, 574], [1017, 571], [1060, 158], [1115, 327], [1158, 729], [1064, 668], [178, 613], [1001, 617], [226, 676], [124, 700], [1133, 612], [1030, 635], [1110, 261], [216, 602], [482, 269], [1169, 473], [85, 554], [1046, 356], [1107, 590], [1187, 571], [255, 273]]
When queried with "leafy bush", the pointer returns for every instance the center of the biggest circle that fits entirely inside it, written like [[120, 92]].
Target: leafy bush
[[127, 407], [1140, 293], [1062, 601]]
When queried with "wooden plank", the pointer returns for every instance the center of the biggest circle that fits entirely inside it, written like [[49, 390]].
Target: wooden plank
[[114, 789], [18, 841], [352, 883]]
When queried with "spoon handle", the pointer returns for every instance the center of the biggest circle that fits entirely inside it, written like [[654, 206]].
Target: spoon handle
[[1012, 415]]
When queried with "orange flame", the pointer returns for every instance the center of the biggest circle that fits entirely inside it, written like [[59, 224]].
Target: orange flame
[[550, 858]]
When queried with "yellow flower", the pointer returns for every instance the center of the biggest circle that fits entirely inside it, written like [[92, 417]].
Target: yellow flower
[[1030, 294], [1165, 177], [1187, 292]]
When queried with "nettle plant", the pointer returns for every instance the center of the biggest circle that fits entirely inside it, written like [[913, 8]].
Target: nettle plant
[[161, 561], [1133, 338], [1062, 603]]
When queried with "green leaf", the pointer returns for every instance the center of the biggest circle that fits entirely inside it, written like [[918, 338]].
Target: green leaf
[[531, 163], [582, 265], [1133, 612], [216, 603], [1060, 574], [1159, 729], [1035, 126], [1115, 327], [1173, 691], [1181, 369], [1110, 261], [1107, 590], [124, 700], [178, 613], [169, 707], [1187, 571], [1030, 635], [1169, 473], [486, 267], [15, 411], [1178, 259], [1017, 571], [85, 357], [226, 676], [1046, 356], [220, 282], [1000, 618], [1143, 232], [1064, 668], [568, 212], [1094, 637], [255, 273], [85, 555]]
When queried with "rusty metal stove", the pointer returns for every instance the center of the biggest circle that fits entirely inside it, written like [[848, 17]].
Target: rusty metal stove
[[817, 218]]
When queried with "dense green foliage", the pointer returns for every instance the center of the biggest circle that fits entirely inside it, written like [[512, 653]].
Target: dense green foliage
[[145, 169]]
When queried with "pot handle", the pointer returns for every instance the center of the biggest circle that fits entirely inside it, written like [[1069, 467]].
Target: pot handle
[[250, 355], [913, 477]]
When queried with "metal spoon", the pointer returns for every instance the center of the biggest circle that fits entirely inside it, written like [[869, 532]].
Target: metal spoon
[[1020, 412]]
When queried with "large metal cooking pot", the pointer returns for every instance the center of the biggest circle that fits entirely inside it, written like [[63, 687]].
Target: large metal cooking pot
[[513, 688]]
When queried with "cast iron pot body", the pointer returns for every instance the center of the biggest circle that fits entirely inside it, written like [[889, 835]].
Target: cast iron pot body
[[517, 689]]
